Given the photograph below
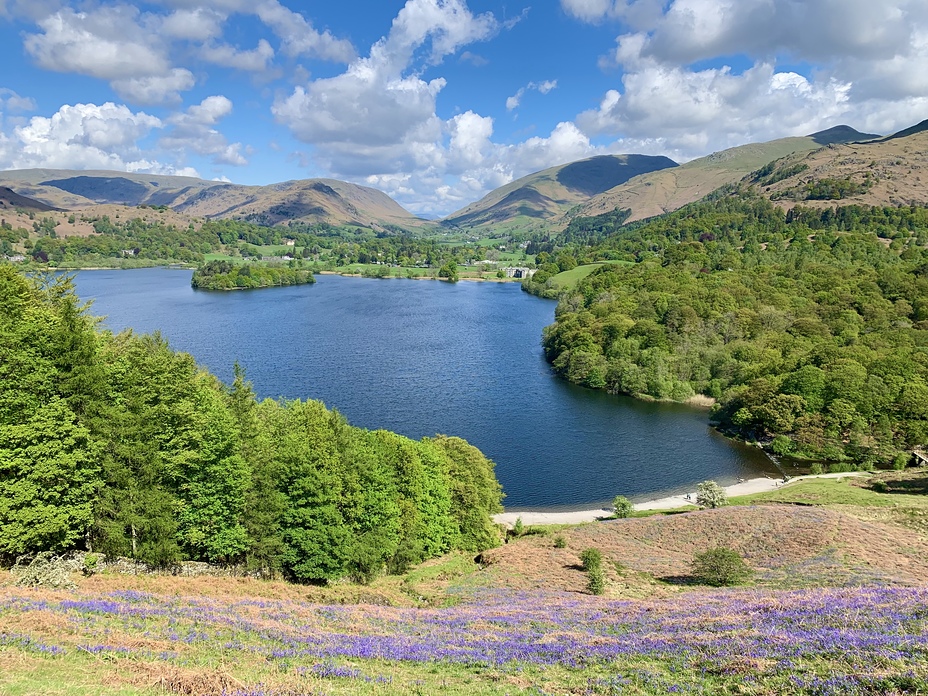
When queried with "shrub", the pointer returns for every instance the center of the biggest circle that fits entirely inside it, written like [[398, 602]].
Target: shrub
[[518, 529], [591, 558], [721, 567], [596, 582], [622, 507], [560, 542], [710, 494]]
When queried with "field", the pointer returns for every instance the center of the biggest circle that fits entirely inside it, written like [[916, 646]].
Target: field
[[569, 279], [838, 605]]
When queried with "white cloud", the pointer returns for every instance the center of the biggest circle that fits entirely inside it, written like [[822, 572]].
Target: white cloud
[[155, 89], [108, 44], [194, 24], [299, 37], [863, 56], [516, 99], [194, 131], [11, 101], [82, 136], [255, 60], [376, 117]]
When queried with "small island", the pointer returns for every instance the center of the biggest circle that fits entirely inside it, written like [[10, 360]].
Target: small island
[[224, 275]]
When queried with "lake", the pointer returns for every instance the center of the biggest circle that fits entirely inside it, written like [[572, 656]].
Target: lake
[[423, 357]]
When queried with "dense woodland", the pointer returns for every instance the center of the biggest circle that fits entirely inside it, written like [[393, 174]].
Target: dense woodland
[[810, 328], [223, 275], [118, 444]]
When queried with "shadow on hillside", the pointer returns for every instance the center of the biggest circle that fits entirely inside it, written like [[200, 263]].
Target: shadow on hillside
[[678, 579], [909, 484]]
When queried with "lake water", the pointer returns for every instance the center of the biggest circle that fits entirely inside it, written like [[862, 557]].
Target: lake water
[[424, 357]]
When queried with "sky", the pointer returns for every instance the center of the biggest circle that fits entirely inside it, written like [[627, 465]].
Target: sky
[[438, 102]]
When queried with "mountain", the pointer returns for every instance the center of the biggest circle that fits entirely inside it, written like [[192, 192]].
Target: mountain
[[9, 199], [884, 172], [666, 190], [310, 200], [546, 195]]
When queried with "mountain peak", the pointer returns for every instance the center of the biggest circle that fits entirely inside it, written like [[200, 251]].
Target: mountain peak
[[840, 134]]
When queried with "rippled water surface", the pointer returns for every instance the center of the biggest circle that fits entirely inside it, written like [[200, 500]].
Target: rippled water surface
[[426, 357]]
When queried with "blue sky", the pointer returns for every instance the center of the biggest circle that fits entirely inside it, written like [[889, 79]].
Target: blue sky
[[437, 102]]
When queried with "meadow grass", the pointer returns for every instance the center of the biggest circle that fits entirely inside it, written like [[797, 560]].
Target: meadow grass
[[569, 279], [746, 641]]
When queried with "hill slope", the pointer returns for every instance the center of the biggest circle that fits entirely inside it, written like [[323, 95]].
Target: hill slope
[[663, 191], [892, 171], [311, 200], [548, 194]]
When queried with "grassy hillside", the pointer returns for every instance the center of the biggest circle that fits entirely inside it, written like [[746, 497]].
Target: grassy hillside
[[548, 194], [838, 606], [312, 200], [661, 192]]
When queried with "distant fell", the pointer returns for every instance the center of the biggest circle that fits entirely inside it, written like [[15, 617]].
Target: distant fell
[[889, 171], [311, 200], [539, 198], [911, 130], [10, 199], [841, 134], [663, 191]]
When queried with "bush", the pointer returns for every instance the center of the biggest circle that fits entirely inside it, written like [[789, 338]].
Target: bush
[[560, 542], [721, 567], [596, 582], [591, 558], [518, 529], [622, 507], [710, 494]]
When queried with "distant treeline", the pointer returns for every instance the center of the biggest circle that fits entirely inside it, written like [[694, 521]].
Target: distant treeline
[[117, 444], [809, 327], [137, 242], [223, 275]]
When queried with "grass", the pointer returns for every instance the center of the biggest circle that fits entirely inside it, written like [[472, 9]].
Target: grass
[[569, 279], [850, 491], [107, 640]]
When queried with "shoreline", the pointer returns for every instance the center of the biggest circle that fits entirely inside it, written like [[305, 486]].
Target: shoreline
[[672, 502]]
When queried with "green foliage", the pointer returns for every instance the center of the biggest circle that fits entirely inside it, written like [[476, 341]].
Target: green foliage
[[596, 581], [809, 331], [721, 567], [449, 271], [591, 558], [518, 528], [560, 542], [709, 494], [622, 507], [223, 275], [121, 445]]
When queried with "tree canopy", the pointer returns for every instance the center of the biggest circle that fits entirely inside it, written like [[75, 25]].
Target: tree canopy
[[116, 443]]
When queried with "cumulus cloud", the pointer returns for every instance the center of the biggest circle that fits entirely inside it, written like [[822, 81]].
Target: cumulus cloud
[[667, 102], [82, 136], [195, 130], [379, 115], [108, 44], [255, 60], [118, 44]]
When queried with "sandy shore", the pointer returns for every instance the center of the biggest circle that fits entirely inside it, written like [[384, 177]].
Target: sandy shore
[[756, 485]]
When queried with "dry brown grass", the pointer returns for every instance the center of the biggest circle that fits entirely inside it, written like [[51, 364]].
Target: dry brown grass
[[798, 545]]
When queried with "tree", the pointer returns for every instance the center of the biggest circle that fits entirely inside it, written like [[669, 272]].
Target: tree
[[720, 567], [710, 494], [622, 507], [449, 271]]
